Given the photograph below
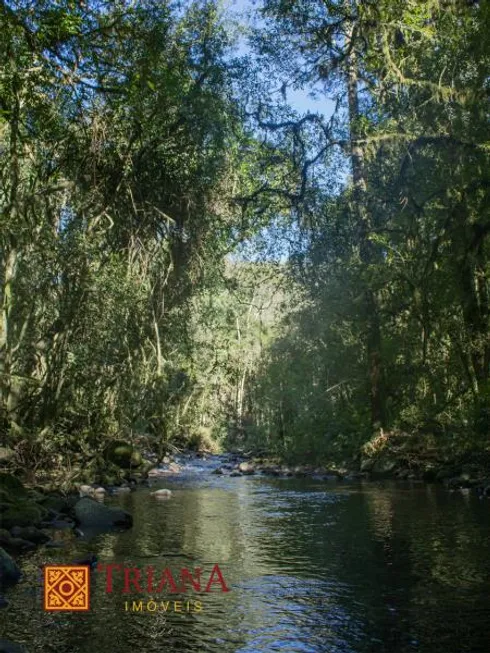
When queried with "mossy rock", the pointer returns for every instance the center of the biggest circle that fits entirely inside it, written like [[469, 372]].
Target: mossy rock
[[11, 484], [6, 500], [91, 513], [58, 504], [9, 571], [23, 513], [123, 454]]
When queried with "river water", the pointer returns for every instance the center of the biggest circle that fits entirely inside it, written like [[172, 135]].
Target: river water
[[312, 566]]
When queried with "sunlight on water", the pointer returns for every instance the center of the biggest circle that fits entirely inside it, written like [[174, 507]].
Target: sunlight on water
[[312, 567]]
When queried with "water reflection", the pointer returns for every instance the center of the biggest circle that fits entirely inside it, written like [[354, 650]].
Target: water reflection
[[313, 567]]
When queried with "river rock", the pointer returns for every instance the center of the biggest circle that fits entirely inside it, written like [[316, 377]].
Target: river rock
[[235, 473], [174, 468], [271, 470], [300, 471], [124, 489], [162, 493], [157, 471], [89, 512], [9, 571], [246, 468], [30, 533], [218, 471]]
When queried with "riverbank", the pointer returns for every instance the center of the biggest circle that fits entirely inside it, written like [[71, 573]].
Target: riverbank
[[29, 514]]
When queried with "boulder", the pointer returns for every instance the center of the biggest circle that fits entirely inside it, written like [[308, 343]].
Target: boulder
[[91, 513], [218, 471], [9, 571], [246, 468], [57, 503], [235, 473]]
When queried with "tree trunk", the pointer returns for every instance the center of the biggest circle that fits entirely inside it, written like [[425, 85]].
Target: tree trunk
[[367, 251]]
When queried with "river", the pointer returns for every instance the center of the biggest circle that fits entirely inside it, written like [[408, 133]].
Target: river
[[312, 566]]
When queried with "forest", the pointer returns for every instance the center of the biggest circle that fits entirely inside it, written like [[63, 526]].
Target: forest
[[188, 260]]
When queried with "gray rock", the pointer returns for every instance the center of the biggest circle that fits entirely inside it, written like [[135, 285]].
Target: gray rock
[[246, 468], [235, 474], [218, 471], [91, 513], [9, 571]]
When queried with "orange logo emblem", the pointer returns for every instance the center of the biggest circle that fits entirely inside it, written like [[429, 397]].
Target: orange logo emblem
[[66, 588]]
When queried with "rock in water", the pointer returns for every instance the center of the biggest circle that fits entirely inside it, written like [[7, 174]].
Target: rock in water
[[91, 513], [9, 572], [162, 494], [246, 468]]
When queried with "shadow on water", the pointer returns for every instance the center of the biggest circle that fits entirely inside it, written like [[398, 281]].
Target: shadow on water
[[312, 567]]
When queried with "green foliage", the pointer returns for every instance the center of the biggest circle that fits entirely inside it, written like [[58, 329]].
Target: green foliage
[[412, 233], [125, 149], [139, 161]]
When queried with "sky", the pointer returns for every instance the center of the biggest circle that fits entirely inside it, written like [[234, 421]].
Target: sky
[[247, 11], [275, 242]]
